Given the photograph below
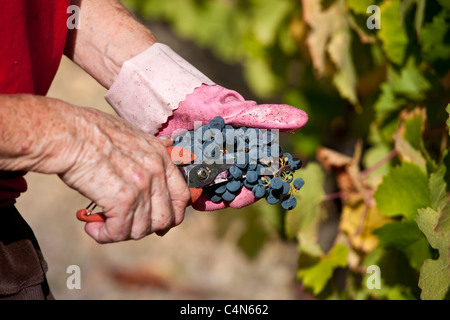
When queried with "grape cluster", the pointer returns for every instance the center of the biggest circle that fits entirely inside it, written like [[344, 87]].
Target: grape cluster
[[258, 162]]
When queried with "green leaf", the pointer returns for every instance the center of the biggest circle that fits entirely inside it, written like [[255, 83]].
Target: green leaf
[[317, 276], [434, 44], [330, 34], [444, 3], [268, 16], [345, 78], [303, 221], [410, 83], [405, 5], [444, 221], [403, 191], [408, 138], [406, 237], [392, 34], [438, 188], [406, 152], [396, 273], [260, 77], [373, 155], [359, 6], [387, 102], [434, 277]]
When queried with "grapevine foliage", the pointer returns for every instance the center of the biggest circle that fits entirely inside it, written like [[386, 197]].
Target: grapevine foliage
[[378, 104]]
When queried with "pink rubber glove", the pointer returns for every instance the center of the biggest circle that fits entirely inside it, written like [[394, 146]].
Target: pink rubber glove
[[159, 92]]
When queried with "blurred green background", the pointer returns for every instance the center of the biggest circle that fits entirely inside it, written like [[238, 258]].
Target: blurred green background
[[374, 152]]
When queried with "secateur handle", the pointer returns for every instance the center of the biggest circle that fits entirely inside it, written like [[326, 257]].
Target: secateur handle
[[179, 156]]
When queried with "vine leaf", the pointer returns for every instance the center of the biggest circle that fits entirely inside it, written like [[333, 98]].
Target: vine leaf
[[403, 191], [409, 82], [405, 5], [392, 34], [406, 237], [408, 137], [434, 45], [359, 222], [359, 214], [438, 188], [434, 277], [387, 102], [317, 276], [330, 34], [304, 220]]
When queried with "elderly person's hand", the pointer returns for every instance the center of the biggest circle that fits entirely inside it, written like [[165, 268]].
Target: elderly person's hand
[[126, 172]]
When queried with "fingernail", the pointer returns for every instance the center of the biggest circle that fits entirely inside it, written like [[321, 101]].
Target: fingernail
[[165, 138]]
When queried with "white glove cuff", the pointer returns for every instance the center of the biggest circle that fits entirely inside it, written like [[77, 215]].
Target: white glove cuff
[[151, 85]]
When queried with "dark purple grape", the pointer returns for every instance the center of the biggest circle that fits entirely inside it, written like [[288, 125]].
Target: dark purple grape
[[295, 164], [217, 123], [285, 188], [298, 183], [228, 196], [276, 183], [215, 198], [273, 197], [234, 186], [251, 176], [220, 189], [259, 191], [289, 202], [235, 172], [254, 154]]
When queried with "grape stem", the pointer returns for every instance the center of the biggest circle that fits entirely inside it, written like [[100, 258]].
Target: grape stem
[[380, 163]]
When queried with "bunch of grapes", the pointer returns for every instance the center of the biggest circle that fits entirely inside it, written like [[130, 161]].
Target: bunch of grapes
[[258, 162]]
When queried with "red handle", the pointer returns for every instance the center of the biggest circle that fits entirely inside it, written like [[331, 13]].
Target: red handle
[[178, 155], [86, 215]]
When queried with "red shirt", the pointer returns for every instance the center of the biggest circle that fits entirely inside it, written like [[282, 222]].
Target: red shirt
[[32, 39]]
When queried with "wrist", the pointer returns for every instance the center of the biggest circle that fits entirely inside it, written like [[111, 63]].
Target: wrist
[[35, 128], [151, 85]]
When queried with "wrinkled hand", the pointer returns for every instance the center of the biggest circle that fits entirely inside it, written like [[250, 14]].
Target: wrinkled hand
[[130, 175]]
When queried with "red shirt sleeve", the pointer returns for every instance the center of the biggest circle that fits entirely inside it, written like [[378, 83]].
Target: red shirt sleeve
[[32, 38], [33, 35]]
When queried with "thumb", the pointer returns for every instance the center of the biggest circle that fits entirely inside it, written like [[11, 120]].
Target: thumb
[[283, 117], [166, 140]]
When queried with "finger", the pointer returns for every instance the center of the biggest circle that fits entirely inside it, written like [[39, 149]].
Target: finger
[[119, 218], [283, 117], [166, 140], [162, 215], [178, 191], [244, 198]]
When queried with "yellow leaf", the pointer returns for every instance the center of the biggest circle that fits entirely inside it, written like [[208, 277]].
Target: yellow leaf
[[358, 222]]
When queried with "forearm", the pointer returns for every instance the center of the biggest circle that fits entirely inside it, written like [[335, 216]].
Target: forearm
[[108, 36], [36, 134]]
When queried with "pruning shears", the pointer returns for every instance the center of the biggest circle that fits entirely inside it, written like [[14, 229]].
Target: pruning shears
[[197, 176]]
